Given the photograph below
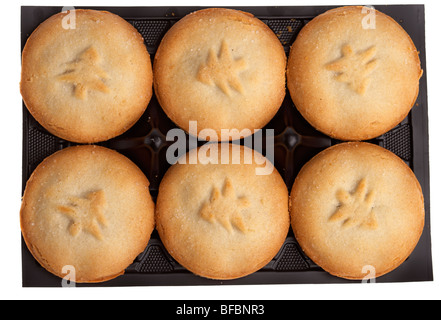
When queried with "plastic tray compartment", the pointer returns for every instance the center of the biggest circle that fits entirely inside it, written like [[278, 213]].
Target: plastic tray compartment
[[295, 143]]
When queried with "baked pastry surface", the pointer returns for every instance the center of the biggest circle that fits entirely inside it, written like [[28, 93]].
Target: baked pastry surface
[[223, 68], [355, 206], [88, 207], [222, 221], [352, 79], [86, 84]]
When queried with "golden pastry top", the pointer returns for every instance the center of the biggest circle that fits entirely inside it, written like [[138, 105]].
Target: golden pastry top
[[357, 204], [87, 84], [364, 83], [222, 221], [222, 70], [88, 207], [87, 214], [225, 208], [356, 209], [85, 73], [354, 68]]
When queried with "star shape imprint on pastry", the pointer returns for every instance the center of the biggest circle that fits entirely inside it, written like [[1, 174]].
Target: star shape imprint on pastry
[[222, 70], [86, 74], [87, 214], [355, 68], [356, 209], [225, 208]]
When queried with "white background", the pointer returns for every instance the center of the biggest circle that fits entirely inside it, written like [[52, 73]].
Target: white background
[[10, 178]]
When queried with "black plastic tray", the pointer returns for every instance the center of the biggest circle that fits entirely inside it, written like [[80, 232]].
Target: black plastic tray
[[295, 143]]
